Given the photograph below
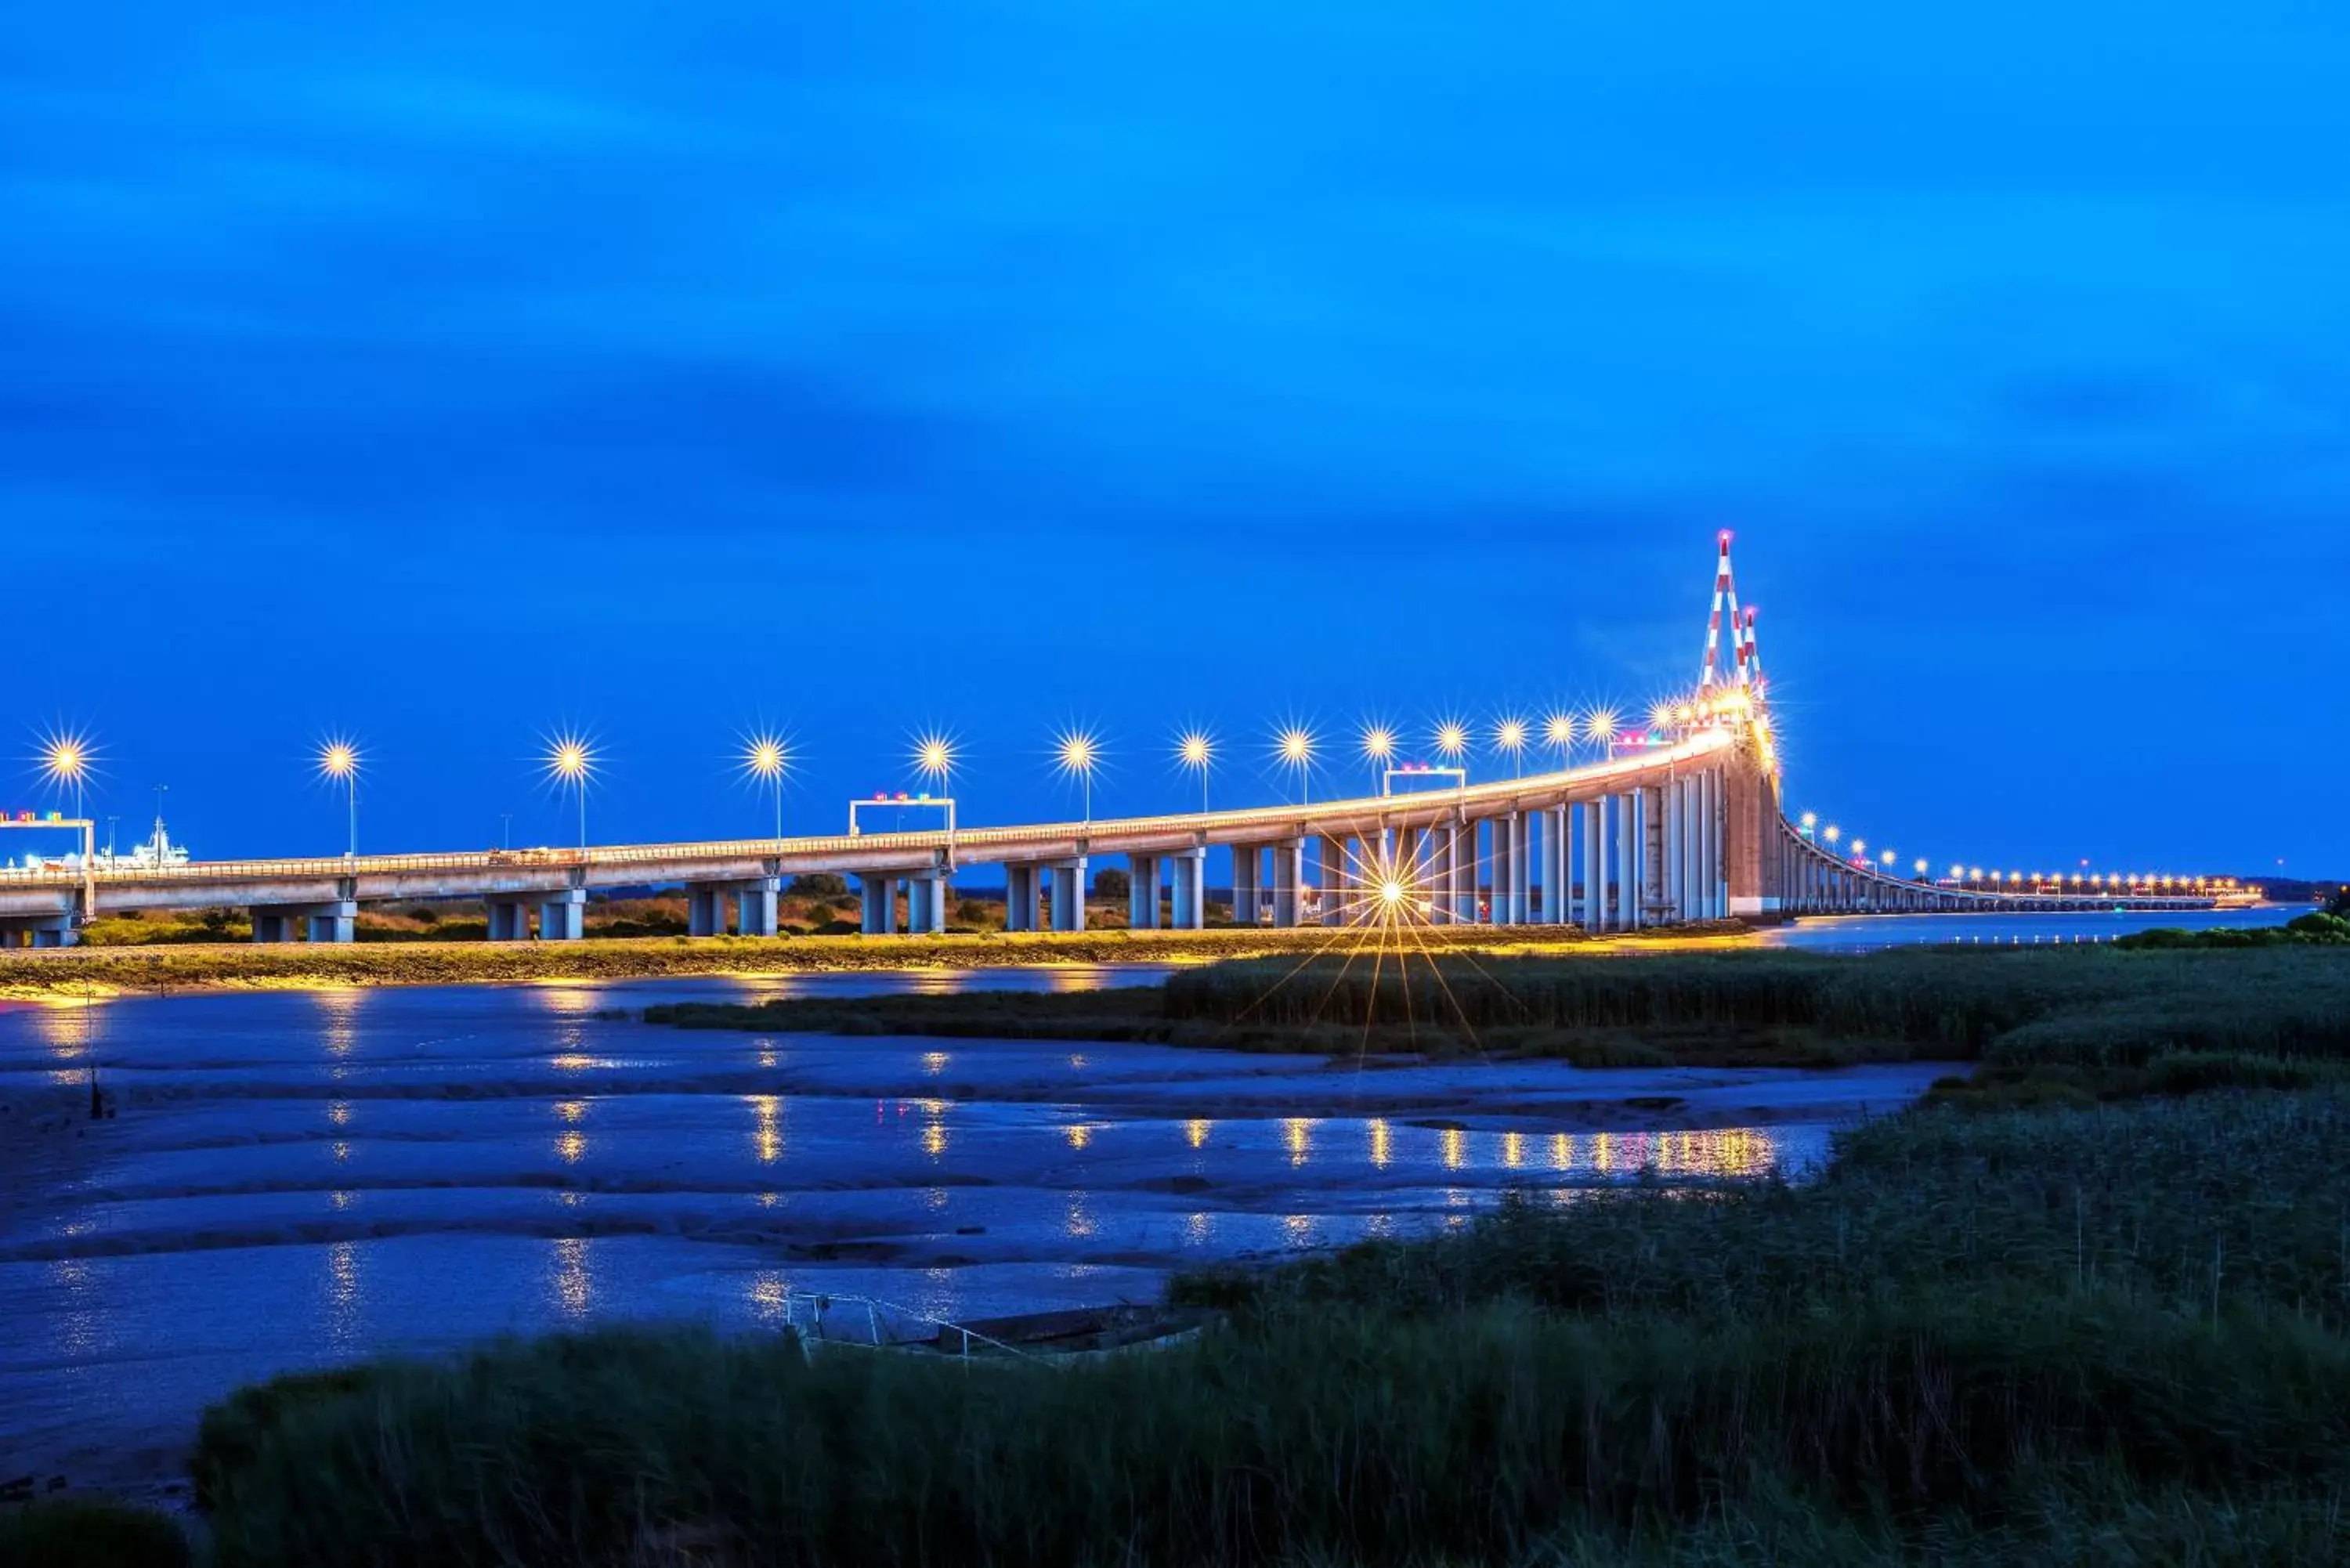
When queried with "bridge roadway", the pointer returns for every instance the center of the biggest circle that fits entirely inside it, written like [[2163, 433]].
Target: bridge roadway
[[1688, 832]]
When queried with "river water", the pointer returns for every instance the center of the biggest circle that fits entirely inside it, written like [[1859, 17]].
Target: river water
[[296, 1180]]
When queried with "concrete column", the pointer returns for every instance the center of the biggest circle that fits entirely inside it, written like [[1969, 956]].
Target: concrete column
[[1675, 824], [1595, 864], [1717, 887], [1522, 866], [1288, 871], [272, 926], [1191, 911], [335, 922], [878, 894], [705, 909], [1142, 892], [1020, 906], [1501, 902], [1248, 869], [1652, 855], [1436, 871], [756, 907], [1069, 895], [1335, 882], [926, 904], [563, 917], [1461, 868], [1628, 860]]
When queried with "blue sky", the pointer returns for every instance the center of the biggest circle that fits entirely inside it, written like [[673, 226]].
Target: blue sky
[[664, 370]]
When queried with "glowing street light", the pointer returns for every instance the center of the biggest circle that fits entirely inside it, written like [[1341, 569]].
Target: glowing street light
[[1558, 731], [65, 762], [1808, 821], [571, 762], [767, 759], [1886, 859], [934, 756], [1453, 740], [1600, 725], [1378, 745], [1831, 833], [1196, 751], [339, 762], [1294, 748], [1918, 866], [1510, 737], [1076, 753]]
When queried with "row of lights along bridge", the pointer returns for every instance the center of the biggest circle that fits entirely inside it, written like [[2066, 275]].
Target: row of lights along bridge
[[571, 760]]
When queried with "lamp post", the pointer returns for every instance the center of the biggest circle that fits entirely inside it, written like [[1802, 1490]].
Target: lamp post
[[767, 759], [571, 762], [1076, 752], [1294, 747], [1196, 751], [339, 762], [65, 759]]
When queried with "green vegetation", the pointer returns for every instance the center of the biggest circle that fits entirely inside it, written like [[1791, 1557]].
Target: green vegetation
[[2074, 1023], [89, 1533], [2317, 929]]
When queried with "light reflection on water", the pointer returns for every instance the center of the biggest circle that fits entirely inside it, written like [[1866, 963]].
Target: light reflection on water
[[495, 1158]]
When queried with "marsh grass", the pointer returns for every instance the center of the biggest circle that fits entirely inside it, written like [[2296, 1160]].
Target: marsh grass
[[90, 1533]]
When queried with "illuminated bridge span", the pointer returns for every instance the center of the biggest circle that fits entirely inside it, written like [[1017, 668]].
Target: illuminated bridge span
[[1683, 824]]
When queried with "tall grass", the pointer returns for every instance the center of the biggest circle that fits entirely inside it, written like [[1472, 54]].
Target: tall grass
[[2184, 1207], [1352, 1436], [2081, 1004]]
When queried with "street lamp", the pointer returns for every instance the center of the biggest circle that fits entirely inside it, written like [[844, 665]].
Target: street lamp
[[1600, 725], [1196, 751], [65, 760], [1294, 747], [1558, 729], [1510, 737], [339, 762], [1378, 749], [571, 762], [1076, 752], [768, 759]]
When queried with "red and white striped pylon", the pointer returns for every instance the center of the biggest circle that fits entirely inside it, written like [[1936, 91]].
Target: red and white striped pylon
[[1725, 594], [1750, 655]]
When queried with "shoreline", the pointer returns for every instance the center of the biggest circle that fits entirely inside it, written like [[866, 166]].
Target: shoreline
[[103, 973]]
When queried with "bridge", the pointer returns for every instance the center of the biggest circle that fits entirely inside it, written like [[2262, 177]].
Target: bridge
[[1683, 824]]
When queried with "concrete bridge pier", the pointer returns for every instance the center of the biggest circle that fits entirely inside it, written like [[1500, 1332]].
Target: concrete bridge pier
[[1595, 864], [877, 895], [1676, 815], [1338, 883], [1627, 912], [44, 931], [926, 904], [1024, 905], [1190, 910], [1069, 894], [705, 909], [1656, 901], [1248, 867], [756, 907], [563, 917], [1142, 892], [509, 919], [1501, 906], [336, 921], [1460, 873], [1288, 871]]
